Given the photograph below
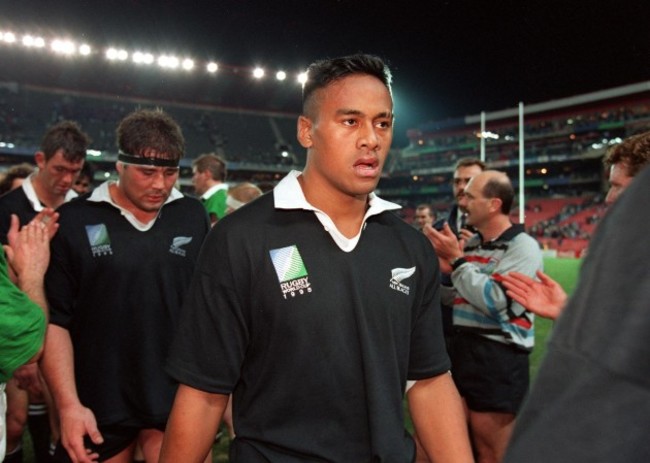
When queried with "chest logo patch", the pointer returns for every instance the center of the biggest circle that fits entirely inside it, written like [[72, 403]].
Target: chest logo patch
[[397, 276], [100, 242], [291, 271], [177, 245]]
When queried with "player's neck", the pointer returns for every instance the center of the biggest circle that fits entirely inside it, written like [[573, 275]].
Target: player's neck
[[495, 228], [119, 198], [346, 211], [46, 197]]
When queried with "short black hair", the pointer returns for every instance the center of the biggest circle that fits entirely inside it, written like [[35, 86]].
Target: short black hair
[[150, 133], [322, 73], [66, 136]]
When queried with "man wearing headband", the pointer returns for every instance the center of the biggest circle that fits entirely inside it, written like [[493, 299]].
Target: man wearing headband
[[121, 264]]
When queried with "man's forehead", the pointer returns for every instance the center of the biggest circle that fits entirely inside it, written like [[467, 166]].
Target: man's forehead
[[155, 168], [619, 173], [474, 185], [59, 159], [351, 88], [467, 172]]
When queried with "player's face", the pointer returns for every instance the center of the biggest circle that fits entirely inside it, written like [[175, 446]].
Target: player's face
[[146, 188], [200, 181], [618, 182], [422, 218], [348, 136], [57, 174], [81, 185], [477, 205], [462, 176]]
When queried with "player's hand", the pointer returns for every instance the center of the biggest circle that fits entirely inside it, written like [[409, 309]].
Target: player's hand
[[28, 252], [50, 218], [444, 242], [545, 297], [76, 422], [465, 235], [28, 379]]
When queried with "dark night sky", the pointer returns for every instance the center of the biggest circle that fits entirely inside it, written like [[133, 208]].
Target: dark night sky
[[449, 58]]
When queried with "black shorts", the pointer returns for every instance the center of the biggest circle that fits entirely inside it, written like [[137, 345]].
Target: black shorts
[[117, 437], [491, 376]]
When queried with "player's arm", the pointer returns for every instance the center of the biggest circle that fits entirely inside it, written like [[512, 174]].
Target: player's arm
[[545, 297], [77, 421], [28, 253], [439, 420], [192, 425], [484, 291]]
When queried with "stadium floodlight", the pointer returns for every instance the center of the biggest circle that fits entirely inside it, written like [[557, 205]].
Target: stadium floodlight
[[212, 67], [111, 54], [64, 47], [302, 78], [114, 54], [142, 58], [29, 41], [488, 135], [9, 37], [188, 64], [84, 49], [281, 75], [258, 73], [169, 62]]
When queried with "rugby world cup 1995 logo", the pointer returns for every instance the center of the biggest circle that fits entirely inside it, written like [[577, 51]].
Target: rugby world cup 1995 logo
[[291, 271]]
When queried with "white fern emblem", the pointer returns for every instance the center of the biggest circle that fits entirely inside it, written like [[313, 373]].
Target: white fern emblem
[[181, 241], [400, 274]]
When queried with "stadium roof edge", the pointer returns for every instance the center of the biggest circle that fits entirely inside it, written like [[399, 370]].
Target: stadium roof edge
[[562, 102], [14, 86]]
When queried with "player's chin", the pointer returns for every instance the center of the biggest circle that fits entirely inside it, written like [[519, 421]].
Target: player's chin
[[151, 206]]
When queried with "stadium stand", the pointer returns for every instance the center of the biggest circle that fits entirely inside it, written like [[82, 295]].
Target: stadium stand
[[565, 141], [564, 144], [256, 144]]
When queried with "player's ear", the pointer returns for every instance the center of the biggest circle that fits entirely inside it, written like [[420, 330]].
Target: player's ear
[[495, 204], [39, 159], [304, 131]]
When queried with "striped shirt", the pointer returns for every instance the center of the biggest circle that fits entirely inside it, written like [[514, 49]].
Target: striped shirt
[[480, 303]]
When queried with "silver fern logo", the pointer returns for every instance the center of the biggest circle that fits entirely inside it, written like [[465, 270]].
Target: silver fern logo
[[178, 243], [397, 275]]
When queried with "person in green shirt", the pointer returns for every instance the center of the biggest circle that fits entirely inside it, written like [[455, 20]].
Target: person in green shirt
[[23, 308], [208, 177]]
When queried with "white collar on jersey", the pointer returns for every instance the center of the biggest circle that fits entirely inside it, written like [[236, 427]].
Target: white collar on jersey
[[288, 195]]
